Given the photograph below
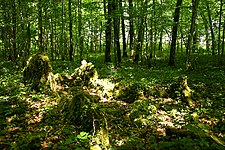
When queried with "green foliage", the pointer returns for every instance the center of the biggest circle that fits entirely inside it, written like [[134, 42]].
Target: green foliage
[[73, 118]]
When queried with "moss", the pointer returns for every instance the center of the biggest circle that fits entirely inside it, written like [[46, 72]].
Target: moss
[[156, 91], [83, 110], [180, 89], [186, 92], [85, 74], [37, 71], [128, 92]]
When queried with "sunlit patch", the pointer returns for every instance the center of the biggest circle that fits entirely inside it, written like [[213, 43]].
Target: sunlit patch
[[11, 118], [13, 129], [46, 144], [161, 131]]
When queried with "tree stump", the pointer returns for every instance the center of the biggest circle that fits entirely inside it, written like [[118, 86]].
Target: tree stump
[[38, 72]]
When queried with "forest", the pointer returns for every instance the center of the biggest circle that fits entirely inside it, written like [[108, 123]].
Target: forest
[[112, 74]]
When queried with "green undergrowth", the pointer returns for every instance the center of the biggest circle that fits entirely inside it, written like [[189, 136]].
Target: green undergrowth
[[140, 112]]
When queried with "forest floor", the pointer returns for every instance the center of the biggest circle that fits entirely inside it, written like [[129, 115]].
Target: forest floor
[[34, 120]]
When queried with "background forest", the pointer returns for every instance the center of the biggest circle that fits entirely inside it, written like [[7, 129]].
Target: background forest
[[112, 74]]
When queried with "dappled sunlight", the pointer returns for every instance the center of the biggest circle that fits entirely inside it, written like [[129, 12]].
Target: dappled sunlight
[[135, 112]]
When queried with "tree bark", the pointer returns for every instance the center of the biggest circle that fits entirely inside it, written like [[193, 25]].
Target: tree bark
[[40, 37], [116, 25], [223, 44], [140, 40], [14, 23], [131, 31], [219, 38], [71, 32], [191, 33], [123, 32], [80, 30], [206, 31], [108, 30], [211, 28], [174, 33]]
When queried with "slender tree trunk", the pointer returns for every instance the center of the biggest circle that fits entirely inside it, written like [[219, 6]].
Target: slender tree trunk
[[155, 30], [131, 31], [151, 48], [195, 40], [7, 30], [116, 25], [3, 46], [22, 40], [63, 32], [14, 22], [191, 33], [138, 48], [100, 38], [40, 37], [174, 33], [52, 38], [108, 30], [211, 28], [71, 32], [123, 32], [206, 31], [181, 40], [219, 40], [140, 40], [161, 30], [146, 37], [80, 30], [160, 41], [27, 53], [223, 44], [91, 38]]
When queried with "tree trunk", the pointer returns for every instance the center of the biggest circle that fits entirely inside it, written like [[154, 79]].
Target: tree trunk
[[155, 30], [27, 53], [116, 25], [14, 21], [140, 40], [174, 33], [219, 40], [108, 30], [195, 40], [191, 33], [161, 29], [131, 31], [100, 38], [223, 43], [62, 33], [71, 32], [80, 30], [40, 37], [206, 31], [211, 28], [123, 32], [52, 38]]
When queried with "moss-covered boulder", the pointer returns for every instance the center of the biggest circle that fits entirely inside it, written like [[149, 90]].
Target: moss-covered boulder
[[85, 74], [37, 71]]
